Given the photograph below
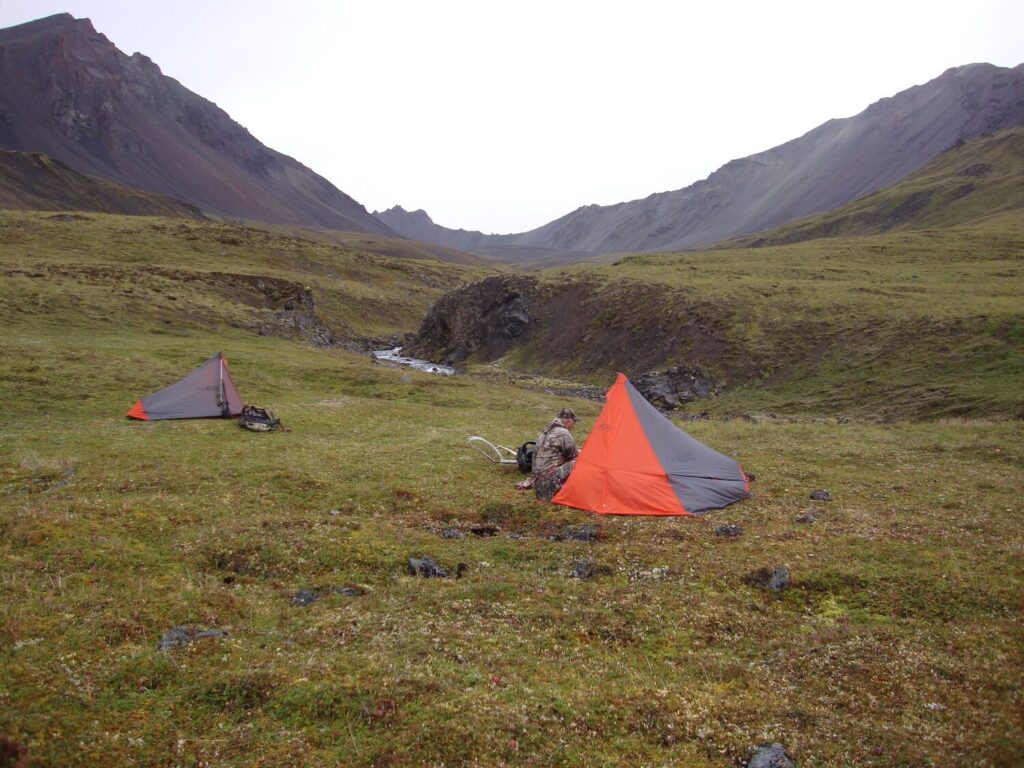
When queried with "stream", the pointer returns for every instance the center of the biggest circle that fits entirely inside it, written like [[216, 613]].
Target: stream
[[395, 356]]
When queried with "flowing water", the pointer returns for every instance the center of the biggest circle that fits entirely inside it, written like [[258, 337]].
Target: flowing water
[[395, 356]]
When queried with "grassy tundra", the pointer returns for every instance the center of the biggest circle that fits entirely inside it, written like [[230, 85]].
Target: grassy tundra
[[897, 644]]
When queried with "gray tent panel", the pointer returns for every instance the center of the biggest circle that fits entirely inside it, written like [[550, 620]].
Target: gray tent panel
[[207, 392], [702, 478]]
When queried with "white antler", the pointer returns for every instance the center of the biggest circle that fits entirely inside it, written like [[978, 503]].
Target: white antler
[[492, 452]]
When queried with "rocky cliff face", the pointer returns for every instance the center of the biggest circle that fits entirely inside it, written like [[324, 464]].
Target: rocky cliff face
[[836, 162], [487, 318], [67, 91], [584, 328]]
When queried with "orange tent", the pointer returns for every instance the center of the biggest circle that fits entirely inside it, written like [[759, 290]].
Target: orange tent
[[637, 462]]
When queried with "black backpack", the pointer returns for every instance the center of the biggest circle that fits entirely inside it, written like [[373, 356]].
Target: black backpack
[[258, 419], [524, 456]]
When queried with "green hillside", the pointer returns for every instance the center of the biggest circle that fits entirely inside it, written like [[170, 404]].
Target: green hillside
[[969, 182], [897, 644], [917, 324], [101, 271]]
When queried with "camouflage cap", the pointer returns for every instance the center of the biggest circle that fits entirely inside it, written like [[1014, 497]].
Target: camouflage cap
[[567, 413]]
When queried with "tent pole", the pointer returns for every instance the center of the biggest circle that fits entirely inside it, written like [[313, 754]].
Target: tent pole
[[222, 396]]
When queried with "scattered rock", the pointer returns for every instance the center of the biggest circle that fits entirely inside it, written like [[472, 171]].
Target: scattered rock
[[702, 416], [406, 379], [179, 637], [452, 533], [515, 535], [484, 530], [428, 568], [809, 515], [66, 476], [585, 568], [577, 533], [771, 756], [820, 494], [676, 386], [655, 574], [348, 591], [773, 579], [305, 597], [729, 531]]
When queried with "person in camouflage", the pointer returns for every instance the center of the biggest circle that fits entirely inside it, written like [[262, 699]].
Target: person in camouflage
[[555, 455]]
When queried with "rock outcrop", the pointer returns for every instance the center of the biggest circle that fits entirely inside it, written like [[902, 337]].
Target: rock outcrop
[[487, 317], [579, 326]]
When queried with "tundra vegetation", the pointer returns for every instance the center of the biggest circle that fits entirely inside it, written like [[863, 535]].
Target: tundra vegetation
[[897, 642]]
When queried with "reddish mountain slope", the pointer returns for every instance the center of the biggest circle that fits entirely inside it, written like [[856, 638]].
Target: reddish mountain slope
[[67, 91], [30, 181]]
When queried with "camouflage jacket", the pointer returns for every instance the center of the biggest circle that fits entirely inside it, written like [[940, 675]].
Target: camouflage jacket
[[555, 447]]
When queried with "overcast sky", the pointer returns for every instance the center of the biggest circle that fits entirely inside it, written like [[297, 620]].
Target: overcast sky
[[504, 116]]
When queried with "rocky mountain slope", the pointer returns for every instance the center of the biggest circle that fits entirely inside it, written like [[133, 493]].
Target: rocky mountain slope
[[31, 181], [971, 181], [68, 92], [835, 163]]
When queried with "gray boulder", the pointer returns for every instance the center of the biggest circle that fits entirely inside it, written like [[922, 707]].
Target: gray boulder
[[771, 756], [676, 386], [428, 568], [774, 579], [179, 637]]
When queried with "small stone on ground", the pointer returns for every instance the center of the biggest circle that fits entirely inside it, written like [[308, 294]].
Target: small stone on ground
[[774, 579], [809, 516], [427, 567], [576, 533], [771, 756], [584, 568], [820, 494], [179, 637], [305, 597]]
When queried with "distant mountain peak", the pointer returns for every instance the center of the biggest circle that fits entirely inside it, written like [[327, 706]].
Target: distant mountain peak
[[67, 91], [50, 25], [419, 216]]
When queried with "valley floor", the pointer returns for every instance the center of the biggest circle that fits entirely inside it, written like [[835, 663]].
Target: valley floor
[[898, 643]]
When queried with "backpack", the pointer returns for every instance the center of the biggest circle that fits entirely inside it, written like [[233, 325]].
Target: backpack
[[258, 419], [524, 456]]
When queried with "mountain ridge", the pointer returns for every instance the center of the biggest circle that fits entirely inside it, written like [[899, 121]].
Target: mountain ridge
[[838, 161], [68, 92]]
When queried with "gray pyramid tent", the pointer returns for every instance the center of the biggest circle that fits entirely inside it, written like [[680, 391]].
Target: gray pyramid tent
[[207, 392]]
